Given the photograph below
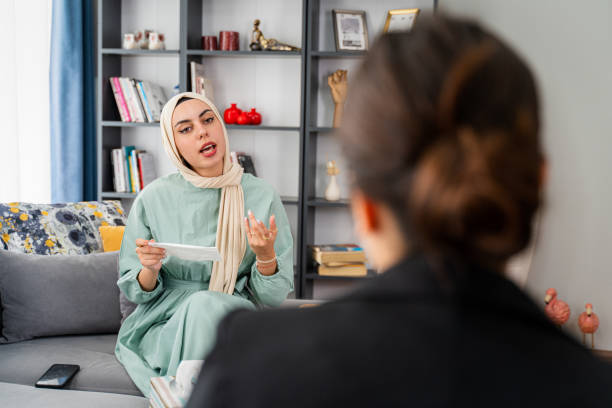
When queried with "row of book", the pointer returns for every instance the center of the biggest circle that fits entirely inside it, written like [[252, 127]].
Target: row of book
[[138, 101], [339, 260], [132, 169]]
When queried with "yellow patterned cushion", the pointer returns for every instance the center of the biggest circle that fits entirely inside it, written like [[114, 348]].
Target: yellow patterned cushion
[[57, 229]]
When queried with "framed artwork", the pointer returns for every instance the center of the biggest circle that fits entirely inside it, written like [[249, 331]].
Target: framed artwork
[[350, 29], [400, 20]]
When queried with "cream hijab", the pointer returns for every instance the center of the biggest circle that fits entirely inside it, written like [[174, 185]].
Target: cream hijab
[[231, 236]]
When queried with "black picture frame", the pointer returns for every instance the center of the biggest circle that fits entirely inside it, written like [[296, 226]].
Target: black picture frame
[[339, 35]]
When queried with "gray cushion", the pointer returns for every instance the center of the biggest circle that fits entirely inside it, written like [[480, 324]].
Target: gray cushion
[[23, 396], [127, 307], [24, 362], [57, 295]]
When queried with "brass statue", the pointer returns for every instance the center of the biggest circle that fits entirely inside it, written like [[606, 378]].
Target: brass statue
[[259, 42], [337, 84]]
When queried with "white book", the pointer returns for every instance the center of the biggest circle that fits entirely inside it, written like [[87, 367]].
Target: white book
[[124, 172], [145, 102], [131, 99], [116, 173], [140, 110], [156, 97], [125, 88], [199, 83], [120, 177]]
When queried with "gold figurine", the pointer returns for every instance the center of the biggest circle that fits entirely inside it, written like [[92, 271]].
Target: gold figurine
[[259, 42]]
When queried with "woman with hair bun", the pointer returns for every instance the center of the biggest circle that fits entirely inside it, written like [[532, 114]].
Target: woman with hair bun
[[442, 136]]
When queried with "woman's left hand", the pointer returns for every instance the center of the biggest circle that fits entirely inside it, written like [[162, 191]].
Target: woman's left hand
[[260, 238]]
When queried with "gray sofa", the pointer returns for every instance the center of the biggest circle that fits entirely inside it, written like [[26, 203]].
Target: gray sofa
[[63, 309], [22, 363]]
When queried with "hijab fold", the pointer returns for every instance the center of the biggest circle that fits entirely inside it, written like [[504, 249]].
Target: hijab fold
[[231, 236]]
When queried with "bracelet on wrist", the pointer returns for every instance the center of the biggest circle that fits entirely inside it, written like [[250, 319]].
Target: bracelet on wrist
[[269, 261]]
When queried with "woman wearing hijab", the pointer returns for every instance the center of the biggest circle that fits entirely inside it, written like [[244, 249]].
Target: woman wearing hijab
[[209, 202]]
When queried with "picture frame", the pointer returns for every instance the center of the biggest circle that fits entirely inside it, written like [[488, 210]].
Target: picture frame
[[350, 30], [400, 20]]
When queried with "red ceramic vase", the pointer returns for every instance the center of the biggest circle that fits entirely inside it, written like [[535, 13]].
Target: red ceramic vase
[[229, 40], [231, 114], [209, 43], [255, 117], [243, 119]]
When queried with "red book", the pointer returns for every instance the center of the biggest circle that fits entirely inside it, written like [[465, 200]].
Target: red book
[[140, 170]]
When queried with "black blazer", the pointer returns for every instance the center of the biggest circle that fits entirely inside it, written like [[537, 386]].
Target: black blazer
[[415, 336]]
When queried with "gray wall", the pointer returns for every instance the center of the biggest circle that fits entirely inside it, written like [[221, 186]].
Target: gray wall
[[568, 44]]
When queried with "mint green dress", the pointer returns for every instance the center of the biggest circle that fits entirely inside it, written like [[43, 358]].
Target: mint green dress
[[178, 319]]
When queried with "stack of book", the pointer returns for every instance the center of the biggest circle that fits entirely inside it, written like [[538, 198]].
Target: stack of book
[[132, 169], [339, 260], [138, 101]]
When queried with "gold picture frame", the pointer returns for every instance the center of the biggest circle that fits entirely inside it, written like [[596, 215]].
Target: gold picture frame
[[400, 20]]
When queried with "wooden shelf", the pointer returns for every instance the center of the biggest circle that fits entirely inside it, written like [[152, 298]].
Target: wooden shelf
[[260, 127], [243, 53], [146, 53], [321, 202], [290, 200], [118, 123], [315, 276], [338, 54]]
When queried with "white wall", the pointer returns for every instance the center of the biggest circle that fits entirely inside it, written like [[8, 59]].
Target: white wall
[[568, 46]]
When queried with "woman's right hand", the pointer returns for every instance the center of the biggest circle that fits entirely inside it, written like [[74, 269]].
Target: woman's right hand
[[150, 257]]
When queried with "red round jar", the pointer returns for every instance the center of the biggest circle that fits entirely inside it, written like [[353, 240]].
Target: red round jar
[[255, 117], [230, 116], [243, 119]]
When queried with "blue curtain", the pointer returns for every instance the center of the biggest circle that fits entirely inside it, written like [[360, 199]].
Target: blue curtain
[[73, 129]]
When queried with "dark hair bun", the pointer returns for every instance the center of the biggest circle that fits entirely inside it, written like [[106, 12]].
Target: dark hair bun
[[457, 204]]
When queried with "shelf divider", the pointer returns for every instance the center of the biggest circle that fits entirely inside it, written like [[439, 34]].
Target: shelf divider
[[244, 53], [139, 52]]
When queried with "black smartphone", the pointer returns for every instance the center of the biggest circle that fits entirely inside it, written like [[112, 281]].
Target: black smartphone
[[57, 376]]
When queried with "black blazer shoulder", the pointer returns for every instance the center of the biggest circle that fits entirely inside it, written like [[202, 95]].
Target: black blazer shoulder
[[435, 336]]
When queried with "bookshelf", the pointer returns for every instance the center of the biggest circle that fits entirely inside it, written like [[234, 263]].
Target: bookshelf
[[291, 146], [319, 145]]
